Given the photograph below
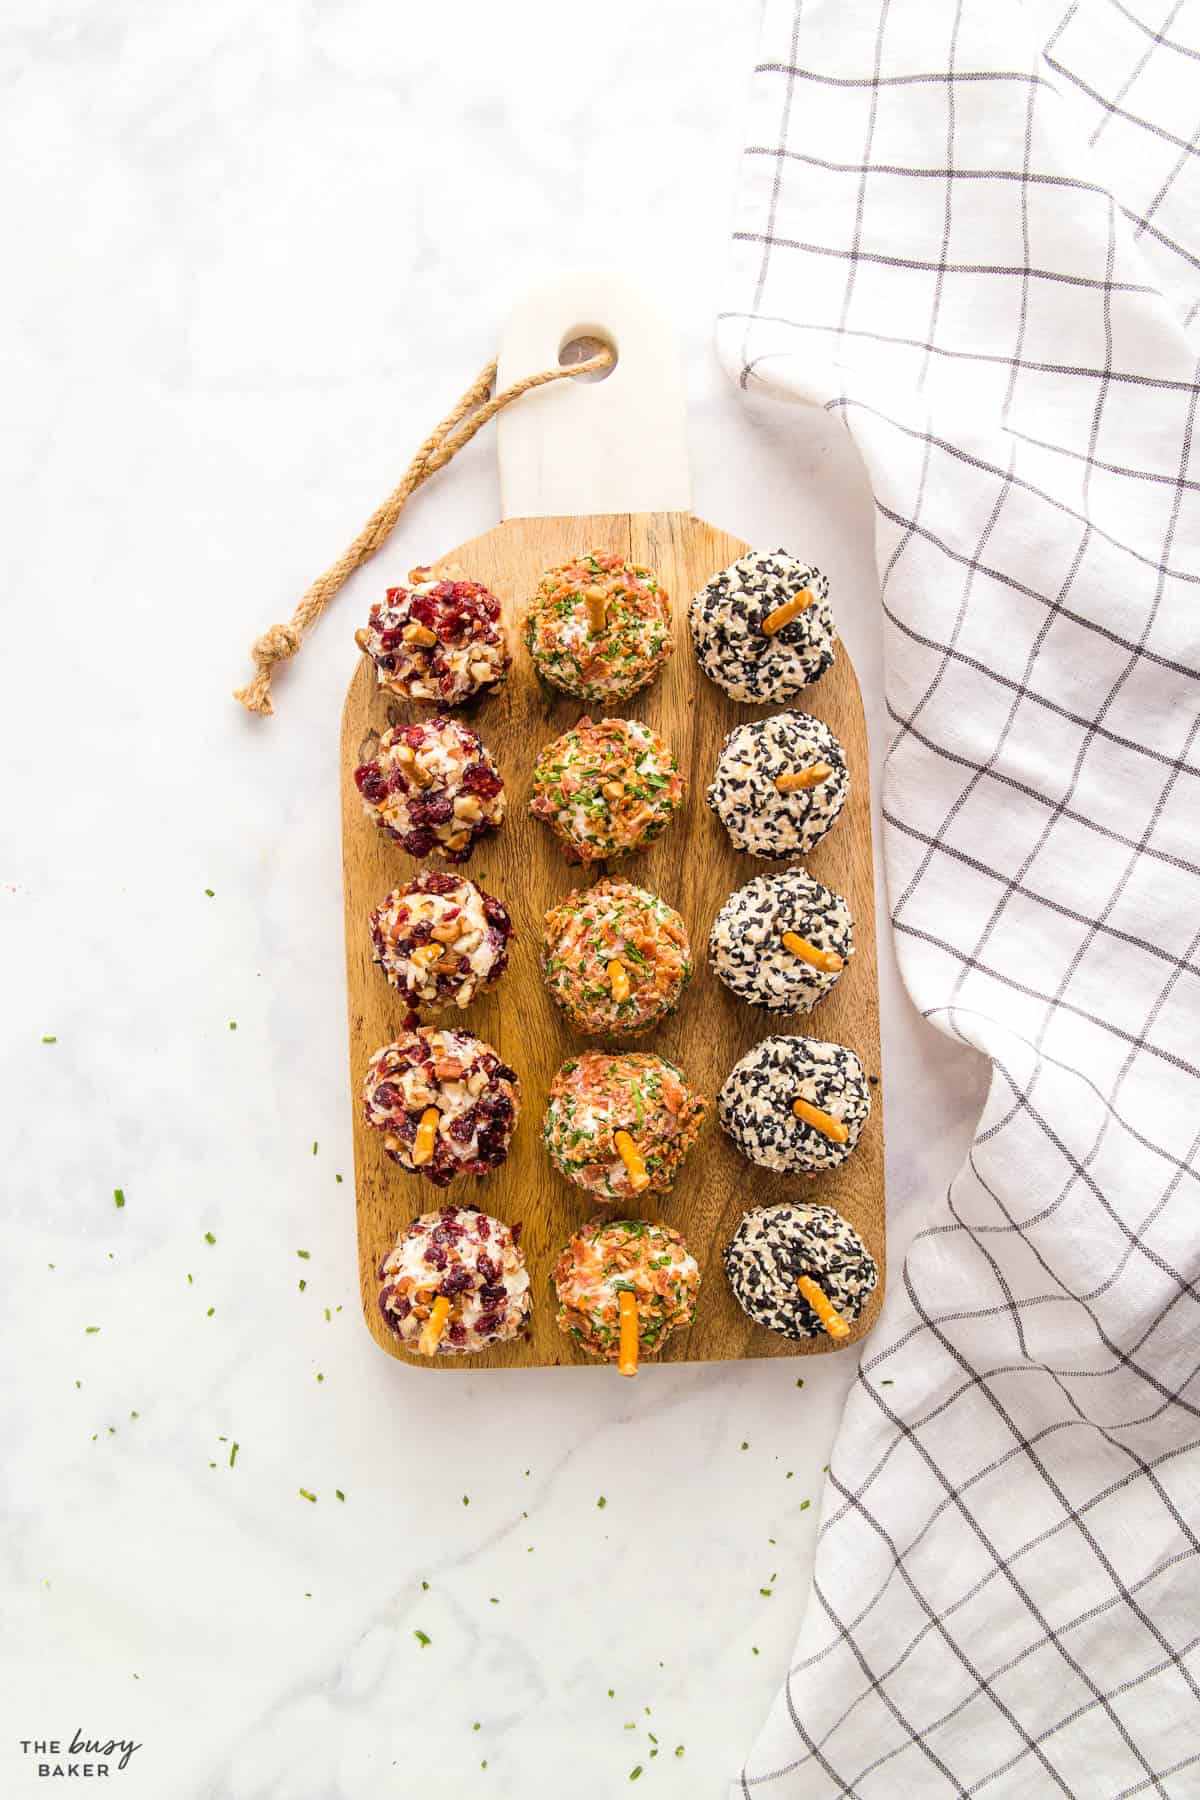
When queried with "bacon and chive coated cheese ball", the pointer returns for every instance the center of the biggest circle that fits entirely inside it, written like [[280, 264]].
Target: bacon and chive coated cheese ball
[[775, 1248], [620, 1126], [438, 640], [782, 941], [779, 785], [468, 1260], [445, 1103], [795, 1104], [615, 959], [440, 940], [763, 627], [434, 788], [606, 789], [599, 627], [629, 1255]]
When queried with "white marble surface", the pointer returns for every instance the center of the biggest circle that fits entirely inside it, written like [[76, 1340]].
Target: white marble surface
[[253, 253]]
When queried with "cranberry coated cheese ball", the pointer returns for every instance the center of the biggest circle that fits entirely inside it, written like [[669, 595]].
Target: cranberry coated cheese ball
[[602, 1261], [615, 959], [599, 627], [440, 940], [774, 1247], [782, 941], [467, 1258], [445, 1102], [779, 785], [763, 627], [795, 1104], [620, 1126], [434, 788], [606, 789], [436, 640]]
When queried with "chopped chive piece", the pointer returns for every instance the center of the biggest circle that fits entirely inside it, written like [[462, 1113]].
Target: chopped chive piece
[[679, 1749], [89, 1329], [233, 1024], [466, 1499], [118, 1196], [210, 892], [320, 1377], [210, 1312], [804, 1505], [49, 1040], [303, 1284], [314, 1146], [303, 1253], [134, 1415], [745, 1446], [425, 1586], [189, 1281], [634, 1773], [328, 1315], [602, 1503], [887, 1384], [423, 1639], [339, 1493], [305, 1495], [475, 1726], [766, 1592], [337, 1178], [209, 1238], [233, 1450]]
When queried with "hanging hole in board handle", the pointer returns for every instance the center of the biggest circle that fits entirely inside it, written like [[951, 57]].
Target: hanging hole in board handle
[[583, 342]]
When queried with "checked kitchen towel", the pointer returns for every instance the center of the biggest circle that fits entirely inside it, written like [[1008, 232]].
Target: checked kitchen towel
[[970, 229]]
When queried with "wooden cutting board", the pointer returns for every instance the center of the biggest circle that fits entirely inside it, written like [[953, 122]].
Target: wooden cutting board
[[609, 441]]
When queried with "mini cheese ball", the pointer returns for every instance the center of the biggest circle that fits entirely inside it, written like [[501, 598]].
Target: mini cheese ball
[[763, 627], [455, 1282], [777, 1251], [437, 639], [606, 789], [782, 941], [602, 1262], [434, 788], [779, 785], [445, 1103], [620, 1126], [599, 627], [796, 1104], [440, 940], [615, 958]]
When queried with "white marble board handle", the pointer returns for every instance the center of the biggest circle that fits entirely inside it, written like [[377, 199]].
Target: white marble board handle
[[616, 445]]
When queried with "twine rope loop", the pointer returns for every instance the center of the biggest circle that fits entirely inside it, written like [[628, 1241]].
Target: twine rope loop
[[469, 415]]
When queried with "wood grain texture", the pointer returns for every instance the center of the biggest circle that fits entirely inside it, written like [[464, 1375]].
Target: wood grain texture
[[694, 867]]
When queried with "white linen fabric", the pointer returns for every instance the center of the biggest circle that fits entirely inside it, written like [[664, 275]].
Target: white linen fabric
[[971, 230]]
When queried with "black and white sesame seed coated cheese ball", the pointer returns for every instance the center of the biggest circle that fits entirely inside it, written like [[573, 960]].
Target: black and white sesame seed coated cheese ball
[[750, 637], [779, 785], [775, 1246], [782, 941], [756, 1106]]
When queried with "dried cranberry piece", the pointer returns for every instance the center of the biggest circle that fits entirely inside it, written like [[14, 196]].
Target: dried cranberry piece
[[390, 640], [492, 1296], [502, 1072], [483, 1228], [496, 915], [489, 1270], [371, 784], [457, 1333], [437, 811], [446, 1232], [462, 1129], [386, 1096], [424, 610], [456, 1281], [515, 1232], [435, 882], [418, 843], [401, 1306], [389, 1317], [412, 735], [477, 778], [487, 1324], [441, 1174]]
